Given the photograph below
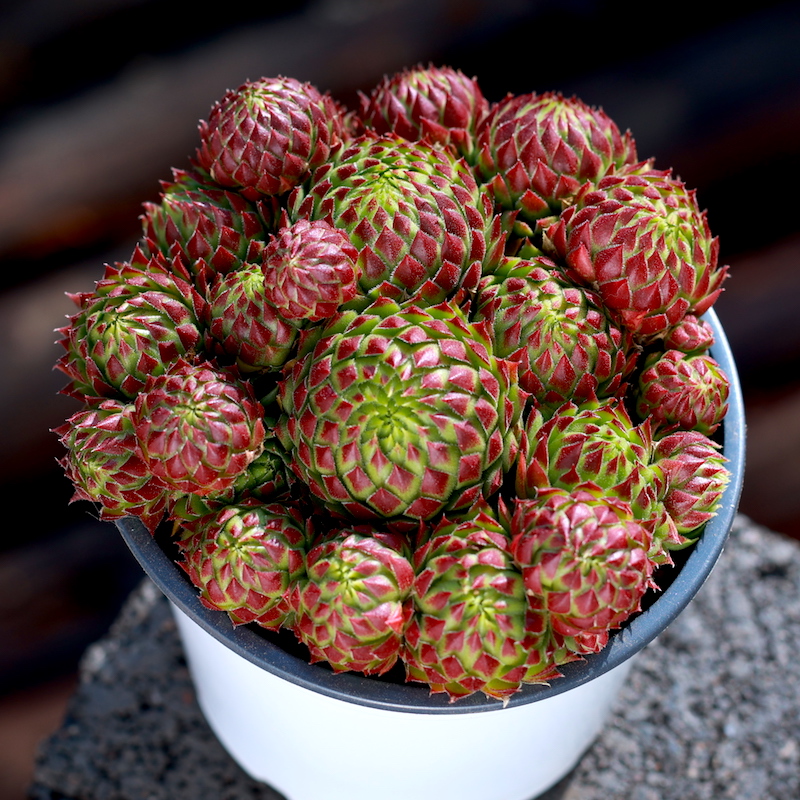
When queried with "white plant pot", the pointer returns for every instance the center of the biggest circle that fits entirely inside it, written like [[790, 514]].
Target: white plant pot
[[316, 735], [355, 752]]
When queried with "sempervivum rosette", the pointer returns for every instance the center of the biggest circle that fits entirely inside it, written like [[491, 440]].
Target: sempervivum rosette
[[596, 447], [640, 239], [198, 427], [566, 346], [691, 335], [587, 557], [676, 390], [693, 476], [473, 628], [400, 412], [420, 224], [267, 135], [439, 104], [136, 323], [205, 225], [535, 151], [105, 467], [310, 270], [266, 478], [245, 558], [244, 325], [353, 606]]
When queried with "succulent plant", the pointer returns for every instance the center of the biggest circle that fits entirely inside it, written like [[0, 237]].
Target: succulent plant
[[535, 151], [473, 628], [244, 326], [105, 467], [566, 346], [691, 335], [197, 427], [310, 270], [676, 390], [425, 381], [136, 324], [694, 478], [587, 556], [201, 222]]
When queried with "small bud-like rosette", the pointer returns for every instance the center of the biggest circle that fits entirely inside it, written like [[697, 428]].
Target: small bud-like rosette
[[265, 137], [353, 606], [587, 557], [566, 346], [245, 558], [310, 270], [439, 104], [694, 478], [680, 391], [691, 335], [198, 427], [136, 323], [420, 224], [473, 629], [535, 151], [204, 223], [245, 326], [640, 239], [400, 412], [105, 467]]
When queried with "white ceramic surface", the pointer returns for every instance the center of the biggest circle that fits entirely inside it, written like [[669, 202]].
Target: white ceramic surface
[[313, 747]]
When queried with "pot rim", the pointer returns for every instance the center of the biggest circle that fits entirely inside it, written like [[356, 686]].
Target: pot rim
[[415, 698]]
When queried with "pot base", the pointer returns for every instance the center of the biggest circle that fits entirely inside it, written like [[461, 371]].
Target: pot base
[[309, 746]]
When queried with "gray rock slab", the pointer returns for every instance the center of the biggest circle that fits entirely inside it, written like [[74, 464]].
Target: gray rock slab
[[711, 708]]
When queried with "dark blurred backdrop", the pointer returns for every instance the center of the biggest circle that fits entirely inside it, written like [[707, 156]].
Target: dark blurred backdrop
[[99, 98]]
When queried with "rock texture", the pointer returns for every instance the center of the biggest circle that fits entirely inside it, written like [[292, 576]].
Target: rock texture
[[711, 709]]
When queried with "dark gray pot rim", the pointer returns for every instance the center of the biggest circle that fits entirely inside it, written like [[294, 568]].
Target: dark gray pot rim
[[415, 698]]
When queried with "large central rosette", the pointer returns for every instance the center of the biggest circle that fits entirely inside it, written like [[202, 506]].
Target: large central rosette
[[400, 413]]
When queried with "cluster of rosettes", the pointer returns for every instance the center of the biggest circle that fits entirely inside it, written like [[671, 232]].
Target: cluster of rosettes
[[426, 381]]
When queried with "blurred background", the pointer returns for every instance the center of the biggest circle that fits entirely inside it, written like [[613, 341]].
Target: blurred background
[[99, 98]]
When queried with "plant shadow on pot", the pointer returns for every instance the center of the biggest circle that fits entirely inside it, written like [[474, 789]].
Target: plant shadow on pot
[[281, 656]]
